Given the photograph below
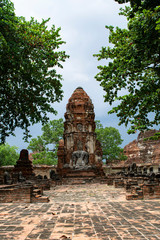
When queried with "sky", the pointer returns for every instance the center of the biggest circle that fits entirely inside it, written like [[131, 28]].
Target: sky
[[83, 29]]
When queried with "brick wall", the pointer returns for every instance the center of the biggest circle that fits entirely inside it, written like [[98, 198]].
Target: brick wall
[[43, 170], [38, 170], [151, 191], [15, 194]]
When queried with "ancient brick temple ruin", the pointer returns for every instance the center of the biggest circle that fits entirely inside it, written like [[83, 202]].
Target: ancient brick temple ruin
[[143, 152], [140, 173], [80, 152], [24, 165]]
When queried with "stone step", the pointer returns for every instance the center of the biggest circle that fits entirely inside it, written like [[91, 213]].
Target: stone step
[[134, 197], [75, 177], [75, 181], [104, 181], [37, 196], [40, 199], [36, 191], [80, 174]]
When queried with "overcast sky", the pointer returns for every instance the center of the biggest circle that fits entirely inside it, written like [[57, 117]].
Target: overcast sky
[[82, 25]]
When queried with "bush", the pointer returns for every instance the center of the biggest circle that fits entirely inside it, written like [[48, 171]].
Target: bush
[[46, 158], [8, 155]]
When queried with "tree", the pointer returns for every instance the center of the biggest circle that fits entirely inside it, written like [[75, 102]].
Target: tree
[[135, 4], [29, 82], [44, 157], [8, 155], [52, 133], [132, 75], [37, 144], [110, 140]]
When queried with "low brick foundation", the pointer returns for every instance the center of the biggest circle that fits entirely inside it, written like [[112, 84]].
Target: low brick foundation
[[143, 191], [21, 193], [151, 191], [42, 170], [118, 183], [15, 194]]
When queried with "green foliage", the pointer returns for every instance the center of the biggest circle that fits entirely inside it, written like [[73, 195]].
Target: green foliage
[[52, 133], [37, 144], [29, 82], [132, 74], [135, 4], [8, 155], [110, 140], [44, 157], [156, 136]]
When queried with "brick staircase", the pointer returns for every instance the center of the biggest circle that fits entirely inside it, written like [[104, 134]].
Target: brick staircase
[[82, 177], [37, 195], [77, 180], [136, 193]]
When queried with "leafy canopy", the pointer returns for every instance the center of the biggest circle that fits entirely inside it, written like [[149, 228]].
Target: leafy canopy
[[40, 146], [135, 4], [110, 140], [44, 158], [8, 155], [29, 82], [131, 75]]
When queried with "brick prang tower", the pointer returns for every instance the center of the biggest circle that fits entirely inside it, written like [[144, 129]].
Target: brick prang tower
[[80, 150]]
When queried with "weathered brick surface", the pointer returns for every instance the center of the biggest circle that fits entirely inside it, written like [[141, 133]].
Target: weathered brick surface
[[24, 165], [118, 183], [151, 191], [15, 194], [83, 212], [22, 194], [129, 183], [42, 170], [141, 151], [143, 187]]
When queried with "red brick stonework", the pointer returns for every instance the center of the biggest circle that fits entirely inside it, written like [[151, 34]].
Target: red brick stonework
[[24, 165], [140, 151], [80, 152]]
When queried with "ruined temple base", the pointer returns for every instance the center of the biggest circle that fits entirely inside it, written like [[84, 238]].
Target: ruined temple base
[[70, 176], [68, 172], [22, 193]]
